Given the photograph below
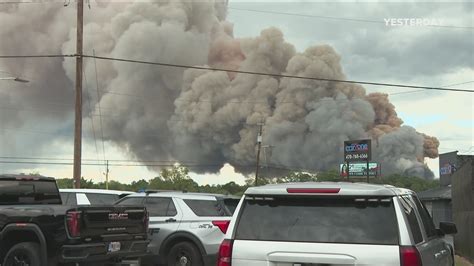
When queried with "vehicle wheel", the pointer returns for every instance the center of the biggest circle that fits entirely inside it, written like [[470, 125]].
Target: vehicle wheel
[[184, 254], [23, 254]]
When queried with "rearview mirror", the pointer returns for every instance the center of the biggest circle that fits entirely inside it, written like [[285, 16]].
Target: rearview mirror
[[448, 228]]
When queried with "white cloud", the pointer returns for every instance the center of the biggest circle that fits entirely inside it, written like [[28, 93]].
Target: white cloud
[[226, 174]]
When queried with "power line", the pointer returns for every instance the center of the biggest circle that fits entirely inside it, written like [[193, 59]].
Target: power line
[[37, 132], [38, 56], [190, 166], [245, 72], [92, 119], [98, 104], [339, 18], [379, 22], [19, 159], [451, 85], [95, 160], [118, 165], [274, 75]]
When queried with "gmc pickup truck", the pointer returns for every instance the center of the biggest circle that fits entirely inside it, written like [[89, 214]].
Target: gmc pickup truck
[[37, 230]]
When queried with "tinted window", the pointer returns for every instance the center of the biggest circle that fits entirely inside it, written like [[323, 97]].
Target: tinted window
[[158, 206], [64, 197], [133, 201], [231, 204], [68, 198], [102, 199], [410, 212], [298, 219], [205, 207], [426, 219], [29, 192]]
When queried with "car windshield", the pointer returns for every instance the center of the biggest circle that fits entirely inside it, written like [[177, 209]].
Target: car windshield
[[325, 220]]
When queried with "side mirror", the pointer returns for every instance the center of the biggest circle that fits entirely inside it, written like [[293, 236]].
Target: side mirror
[[448, 228]]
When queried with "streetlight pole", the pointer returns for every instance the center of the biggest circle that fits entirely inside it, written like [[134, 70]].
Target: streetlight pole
[[78, 110]]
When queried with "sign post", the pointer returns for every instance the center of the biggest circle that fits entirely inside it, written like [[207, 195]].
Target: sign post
[[367, 170], [358, 151]]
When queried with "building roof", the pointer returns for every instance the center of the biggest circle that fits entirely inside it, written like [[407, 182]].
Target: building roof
[[440, 193]]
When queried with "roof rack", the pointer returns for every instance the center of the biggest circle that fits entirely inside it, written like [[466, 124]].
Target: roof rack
[[150, 191]]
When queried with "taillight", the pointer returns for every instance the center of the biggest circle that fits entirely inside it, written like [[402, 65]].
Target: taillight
[[225, 253], [409, 256], [314, 190], [73, 221], [223, 225]]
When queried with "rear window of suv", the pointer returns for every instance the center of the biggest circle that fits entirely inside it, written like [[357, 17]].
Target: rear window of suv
[[322, 220], [206, 208], [102, 199]]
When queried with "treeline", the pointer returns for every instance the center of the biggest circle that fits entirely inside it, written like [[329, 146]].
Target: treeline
[[177, 178]]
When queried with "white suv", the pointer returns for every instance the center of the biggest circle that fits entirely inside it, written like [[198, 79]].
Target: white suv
[[308, 224], [185, 228], [81, 196]]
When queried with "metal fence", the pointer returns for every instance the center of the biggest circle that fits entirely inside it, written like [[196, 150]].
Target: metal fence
[[463, 208]]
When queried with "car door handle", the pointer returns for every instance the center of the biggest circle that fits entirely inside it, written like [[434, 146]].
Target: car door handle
[[170, 220], [437, 255], [444, 252]]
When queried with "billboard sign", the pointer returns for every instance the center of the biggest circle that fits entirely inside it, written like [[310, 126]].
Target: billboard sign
[[447, 166], [357, 150], [359, 169]]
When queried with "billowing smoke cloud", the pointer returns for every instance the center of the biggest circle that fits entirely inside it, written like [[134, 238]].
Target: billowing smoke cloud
[[207, 117]]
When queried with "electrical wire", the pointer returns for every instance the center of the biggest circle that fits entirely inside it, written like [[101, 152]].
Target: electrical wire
[[451, 85], [98, 104], [360, 20], [92, 118], [339, 18], [243, 72]]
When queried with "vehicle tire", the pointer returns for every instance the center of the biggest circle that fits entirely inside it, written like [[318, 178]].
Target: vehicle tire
[[184, 254], [27, 253]]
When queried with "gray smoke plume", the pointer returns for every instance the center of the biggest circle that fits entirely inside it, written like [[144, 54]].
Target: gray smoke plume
[[200, 116]]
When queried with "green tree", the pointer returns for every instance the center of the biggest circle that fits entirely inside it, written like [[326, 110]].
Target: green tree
[[331, 175], [64, 183], [296, 177], [175, 178], [175, 174], [414, 183], [69, 183], [139, 185], [233, 188]]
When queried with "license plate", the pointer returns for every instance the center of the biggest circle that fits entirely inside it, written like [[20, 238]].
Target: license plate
[[114, 246]]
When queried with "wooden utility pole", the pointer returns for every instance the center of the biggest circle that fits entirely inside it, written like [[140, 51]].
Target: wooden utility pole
[[259, 147], [78, 111], [107, 175]]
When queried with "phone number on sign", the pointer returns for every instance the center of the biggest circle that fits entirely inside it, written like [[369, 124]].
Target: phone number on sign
[[357, 156]]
